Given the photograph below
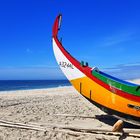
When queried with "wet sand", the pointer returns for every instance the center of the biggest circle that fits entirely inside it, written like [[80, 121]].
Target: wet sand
[[48, 110]]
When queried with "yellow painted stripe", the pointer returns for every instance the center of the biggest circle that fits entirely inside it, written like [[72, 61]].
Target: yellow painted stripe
[[105, 97]]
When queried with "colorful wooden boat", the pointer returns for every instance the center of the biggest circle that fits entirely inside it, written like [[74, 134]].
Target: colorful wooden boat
[[94, 85]]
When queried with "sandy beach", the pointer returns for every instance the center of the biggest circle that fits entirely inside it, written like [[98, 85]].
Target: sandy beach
[[50, 114]]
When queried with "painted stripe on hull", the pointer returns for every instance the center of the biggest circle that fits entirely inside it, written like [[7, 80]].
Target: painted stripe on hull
[[131, 89], [99, 94], [70, 71]]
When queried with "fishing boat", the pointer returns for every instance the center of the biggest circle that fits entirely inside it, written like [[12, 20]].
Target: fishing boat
[[112, 95]]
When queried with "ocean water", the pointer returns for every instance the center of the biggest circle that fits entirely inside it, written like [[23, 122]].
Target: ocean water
[[9, 85]]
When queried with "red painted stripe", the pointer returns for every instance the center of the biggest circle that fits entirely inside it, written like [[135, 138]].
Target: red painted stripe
[[55, 27], [87, 70]]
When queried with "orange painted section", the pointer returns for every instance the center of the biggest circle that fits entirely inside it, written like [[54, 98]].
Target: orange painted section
[[105, 97]]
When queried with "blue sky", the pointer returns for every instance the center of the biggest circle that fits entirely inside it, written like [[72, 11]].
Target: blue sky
[[106, 33]]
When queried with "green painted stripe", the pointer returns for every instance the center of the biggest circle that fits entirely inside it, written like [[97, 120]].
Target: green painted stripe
[[126, 88]]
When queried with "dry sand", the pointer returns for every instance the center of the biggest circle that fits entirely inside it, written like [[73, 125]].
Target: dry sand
[[40, 108]]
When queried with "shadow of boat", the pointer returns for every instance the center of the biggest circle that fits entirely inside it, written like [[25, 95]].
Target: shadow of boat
[[111, 120]]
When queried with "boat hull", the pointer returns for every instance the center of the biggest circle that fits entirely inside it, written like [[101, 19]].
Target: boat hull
[[114, 101], [96, 93]]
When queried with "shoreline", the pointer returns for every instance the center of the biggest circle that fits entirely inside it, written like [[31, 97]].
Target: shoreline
[[34, 89]]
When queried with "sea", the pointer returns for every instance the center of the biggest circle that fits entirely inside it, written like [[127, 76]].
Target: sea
[[11, 85]]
